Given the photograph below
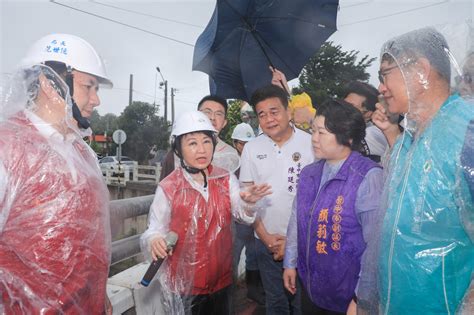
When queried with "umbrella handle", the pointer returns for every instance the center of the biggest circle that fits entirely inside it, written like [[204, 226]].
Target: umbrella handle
[[283, 85]]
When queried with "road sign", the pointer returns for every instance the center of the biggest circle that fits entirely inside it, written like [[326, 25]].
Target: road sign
[[119, 136]]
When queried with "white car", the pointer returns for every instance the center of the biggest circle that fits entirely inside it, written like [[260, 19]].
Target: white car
[[112, 163]]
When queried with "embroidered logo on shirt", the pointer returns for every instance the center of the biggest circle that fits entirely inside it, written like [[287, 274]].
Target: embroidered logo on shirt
[[261, 156], [294, 176], [296, 156]]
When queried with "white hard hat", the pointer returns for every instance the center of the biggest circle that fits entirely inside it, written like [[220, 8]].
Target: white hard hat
[[246, 108], [243, 132], [191, 122], [70, 50]]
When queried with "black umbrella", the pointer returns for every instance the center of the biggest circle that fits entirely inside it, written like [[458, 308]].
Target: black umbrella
[[245, 37]]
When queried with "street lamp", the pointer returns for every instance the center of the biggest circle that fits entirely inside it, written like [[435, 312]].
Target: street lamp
[[154, 95], [165, 83]]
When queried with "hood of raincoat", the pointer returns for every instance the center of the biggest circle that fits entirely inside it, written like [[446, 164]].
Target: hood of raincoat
[[427, 239]]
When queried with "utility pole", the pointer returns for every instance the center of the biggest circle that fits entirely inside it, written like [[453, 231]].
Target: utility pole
[[166, 99], [165, 83], [130, 94], [173, 90], [154, 96]]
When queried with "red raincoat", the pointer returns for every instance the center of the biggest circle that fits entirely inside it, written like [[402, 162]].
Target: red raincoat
[[55, 242], [202, 259]]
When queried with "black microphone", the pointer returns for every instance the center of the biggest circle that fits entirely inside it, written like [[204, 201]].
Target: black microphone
[[171, 238]]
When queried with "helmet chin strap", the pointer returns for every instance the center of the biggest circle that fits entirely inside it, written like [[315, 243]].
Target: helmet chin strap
[[193, 170], [82, 122]]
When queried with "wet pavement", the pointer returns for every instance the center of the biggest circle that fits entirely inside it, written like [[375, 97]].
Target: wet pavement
[[243, 305]]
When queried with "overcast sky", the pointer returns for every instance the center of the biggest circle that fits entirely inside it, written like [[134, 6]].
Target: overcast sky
[[362, 25]]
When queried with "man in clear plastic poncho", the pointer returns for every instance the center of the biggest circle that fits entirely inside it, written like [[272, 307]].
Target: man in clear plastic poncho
[[197, 201], [427, 249], [54, 223]]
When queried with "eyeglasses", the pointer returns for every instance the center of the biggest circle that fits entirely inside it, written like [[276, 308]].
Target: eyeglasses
[[466, 77], [237, 142], [209, 113], [384, 72]]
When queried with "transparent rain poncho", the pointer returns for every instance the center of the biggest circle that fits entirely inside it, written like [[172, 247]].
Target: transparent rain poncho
[[465, 79], [54, 222], [201, 262], [426, 259]]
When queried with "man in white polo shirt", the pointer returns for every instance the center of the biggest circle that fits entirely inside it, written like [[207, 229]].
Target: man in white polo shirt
[[275, 157]]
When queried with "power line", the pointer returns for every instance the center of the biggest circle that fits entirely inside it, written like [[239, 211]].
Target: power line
[[396, 13], [148, 15], [355, 4], [121, 23], [190, 102], [135, 91]]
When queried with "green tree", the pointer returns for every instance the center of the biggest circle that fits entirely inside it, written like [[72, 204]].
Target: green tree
[[144, 129], [327, 72], [101, 124], [95, 146], [233, 119]]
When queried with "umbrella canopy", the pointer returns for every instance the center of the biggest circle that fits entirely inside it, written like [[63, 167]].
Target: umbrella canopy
[[245, 37]]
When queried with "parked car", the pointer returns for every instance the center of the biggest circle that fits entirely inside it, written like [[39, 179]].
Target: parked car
[[112, 163]]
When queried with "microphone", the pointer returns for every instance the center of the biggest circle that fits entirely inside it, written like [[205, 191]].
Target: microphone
[[171, 238]]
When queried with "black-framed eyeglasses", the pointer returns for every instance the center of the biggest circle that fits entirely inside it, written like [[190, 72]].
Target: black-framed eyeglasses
[[209, 113], [384, 72], [236, 142], [466, 77]]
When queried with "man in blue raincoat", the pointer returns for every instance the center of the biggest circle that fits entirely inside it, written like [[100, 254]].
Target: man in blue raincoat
[[427, 243]]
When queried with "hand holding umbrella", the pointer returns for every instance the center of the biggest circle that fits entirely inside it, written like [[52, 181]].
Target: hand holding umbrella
[[279, 79], [244, 37]]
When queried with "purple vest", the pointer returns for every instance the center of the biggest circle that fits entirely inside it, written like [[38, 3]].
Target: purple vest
[[330, 242]]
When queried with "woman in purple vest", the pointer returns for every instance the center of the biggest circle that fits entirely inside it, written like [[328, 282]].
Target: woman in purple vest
[[335, 217]]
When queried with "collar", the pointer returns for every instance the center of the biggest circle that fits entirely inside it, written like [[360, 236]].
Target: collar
[[46, 129], [197, 186], [293, 128]]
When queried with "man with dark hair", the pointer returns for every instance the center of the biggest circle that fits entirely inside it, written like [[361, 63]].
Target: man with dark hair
[[215, 107], [364, 96], [427, 249], [277, 157], [213, 98]]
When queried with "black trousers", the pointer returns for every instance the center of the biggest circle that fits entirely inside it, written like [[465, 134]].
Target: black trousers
[[308, 307], [217, 303]]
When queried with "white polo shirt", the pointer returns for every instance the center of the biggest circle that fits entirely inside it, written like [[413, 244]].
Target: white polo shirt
[[375, 140], [263, 161]]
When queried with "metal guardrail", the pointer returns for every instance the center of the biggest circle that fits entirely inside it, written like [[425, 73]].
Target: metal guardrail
[[121, 174], [119, 211]]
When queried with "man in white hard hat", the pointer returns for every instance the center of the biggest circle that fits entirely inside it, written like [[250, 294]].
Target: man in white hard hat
[[242, 134], [81, 67], [54, 223]]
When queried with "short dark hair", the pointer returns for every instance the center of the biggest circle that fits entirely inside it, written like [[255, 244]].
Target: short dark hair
[[425, 42], [213, 98], [267, 92], [344, 121], [363, 89]]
